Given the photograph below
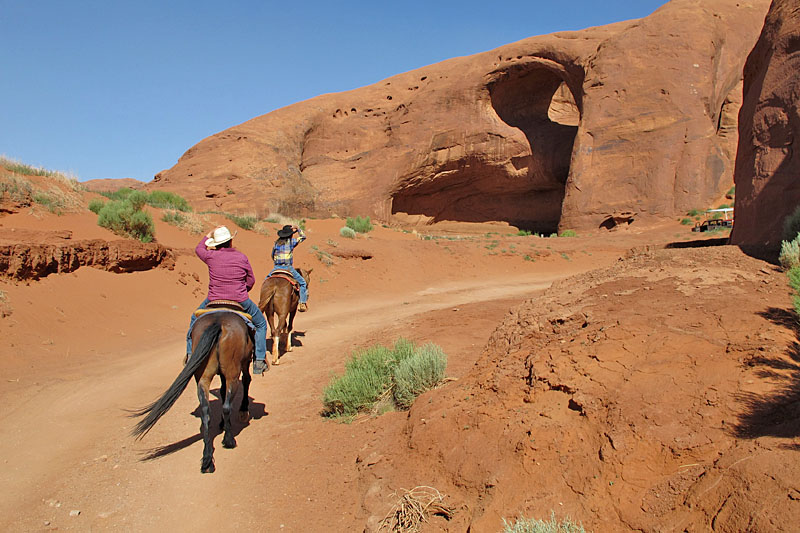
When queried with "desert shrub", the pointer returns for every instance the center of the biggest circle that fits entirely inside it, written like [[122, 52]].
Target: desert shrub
[[416, 372], [523, 233], [686, 221], [695, 212], [794, 278], [347, 232], [359, 225], [121, 217], [168, 200], [531, 525], [731, 191], [18, 189], [791, 225], [183, 220], [247, 222], [324, 257], [138, 200], [95, 205], [367, 376], [790, 253], [120, 194], [401, 374], [16, 167], [50, 201], [568, 233]]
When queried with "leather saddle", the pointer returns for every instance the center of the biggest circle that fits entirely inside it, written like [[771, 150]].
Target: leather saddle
[[229, 305], [285, 274]]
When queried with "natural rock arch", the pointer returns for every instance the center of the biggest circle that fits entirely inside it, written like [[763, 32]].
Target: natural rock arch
[[534, 99]]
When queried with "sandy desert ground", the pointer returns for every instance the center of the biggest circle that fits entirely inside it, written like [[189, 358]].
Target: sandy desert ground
[[80, 348]]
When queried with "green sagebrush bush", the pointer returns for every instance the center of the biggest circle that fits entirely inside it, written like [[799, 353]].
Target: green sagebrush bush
[[359, 225], [126, 218], [790, 253], [247, 222], [347, 232], [168, 200], [418, 372], [400, 373], [159, 199], [95, 205]]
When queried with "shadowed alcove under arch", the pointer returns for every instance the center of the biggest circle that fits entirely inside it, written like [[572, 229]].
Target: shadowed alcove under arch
[[528, 193]]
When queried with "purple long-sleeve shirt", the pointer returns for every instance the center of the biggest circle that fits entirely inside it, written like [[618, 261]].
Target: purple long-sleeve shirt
[[230, 276]]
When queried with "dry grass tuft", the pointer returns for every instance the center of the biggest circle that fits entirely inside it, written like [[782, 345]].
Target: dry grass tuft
[[413, 508]]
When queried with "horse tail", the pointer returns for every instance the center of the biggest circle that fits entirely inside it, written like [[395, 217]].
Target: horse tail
[[267, 292], [153, 412]]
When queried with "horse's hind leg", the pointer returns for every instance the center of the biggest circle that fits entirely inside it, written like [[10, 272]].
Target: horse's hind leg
[[227, 439], [207, 465], [275, 332], [222, 389], [291, 328], [244, 407]]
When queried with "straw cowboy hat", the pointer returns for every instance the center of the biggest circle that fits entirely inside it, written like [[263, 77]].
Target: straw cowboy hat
[[221, 235]]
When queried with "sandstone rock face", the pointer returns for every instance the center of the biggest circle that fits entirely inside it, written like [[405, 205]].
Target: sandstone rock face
[[559, 131], [767, 165], [24, 261]]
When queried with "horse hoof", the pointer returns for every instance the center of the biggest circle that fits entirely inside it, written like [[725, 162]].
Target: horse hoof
[[244, 416], [208, 469], [275, 362], [229, 445]]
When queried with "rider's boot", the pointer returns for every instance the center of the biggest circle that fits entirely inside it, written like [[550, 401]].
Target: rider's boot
[[259, 366], [302, 307]]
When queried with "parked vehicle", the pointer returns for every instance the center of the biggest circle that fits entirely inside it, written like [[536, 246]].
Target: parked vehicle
[[716, 223]]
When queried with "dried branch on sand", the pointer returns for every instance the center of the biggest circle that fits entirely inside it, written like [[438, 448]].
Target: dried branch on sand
[[413, 508]]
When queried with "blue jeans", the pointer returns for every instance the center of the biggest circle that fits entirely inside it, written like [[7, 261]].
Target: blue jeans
[[258, 321], [296, 275]]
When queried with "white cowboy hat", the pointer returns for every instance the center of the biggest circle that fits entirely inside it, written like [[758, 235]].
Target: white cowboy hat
[[221, 235]]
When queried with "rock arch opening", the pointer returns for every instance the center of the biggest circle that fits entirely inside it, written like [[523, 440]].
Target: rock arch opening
[[526, 188]]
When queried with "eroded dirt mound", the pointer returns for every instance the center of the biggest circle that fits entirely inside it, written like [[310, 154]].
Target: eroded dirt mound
[[660, 394], [26, 261]]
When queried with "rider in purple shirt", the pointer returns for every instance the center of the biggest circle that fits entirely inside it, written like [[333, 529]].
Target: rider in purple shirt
[[230, 277]]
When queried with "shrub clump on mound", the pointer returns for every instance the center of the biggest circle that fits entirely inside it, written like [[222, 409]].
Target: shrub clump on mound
[[347, 232], [159, 199], [359, 225], [376, 374], [126, 217]]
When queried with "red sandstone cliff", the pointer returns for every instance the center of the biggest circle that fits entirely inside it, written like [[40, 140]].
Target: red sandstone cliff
[[562, 130], [767, 166]]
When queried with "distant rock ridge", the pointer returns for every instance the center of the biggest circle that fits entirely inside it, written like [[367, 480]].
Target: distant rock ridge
[[559, 131]]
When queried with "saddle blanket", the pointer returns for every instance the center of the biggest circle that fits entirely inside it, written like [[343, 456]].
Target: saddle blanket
[[242, 314]]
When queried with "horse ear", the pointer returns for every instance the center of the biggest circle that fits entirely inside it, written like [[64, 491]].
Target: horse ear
[[309, 271]]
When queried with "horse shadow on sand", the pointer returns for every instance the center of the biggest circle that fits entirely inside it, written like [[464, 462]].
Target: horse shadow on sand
[[257, 410], [776, 414]]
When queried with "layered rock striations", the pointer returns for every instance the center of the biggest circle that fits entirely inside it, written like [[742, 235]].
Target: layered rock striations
[[563, 130], [767, 164]]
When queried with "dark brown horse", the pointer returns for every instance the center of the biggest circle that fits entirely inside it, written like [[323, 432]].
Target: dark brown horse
[[222, 345], [279, 297]]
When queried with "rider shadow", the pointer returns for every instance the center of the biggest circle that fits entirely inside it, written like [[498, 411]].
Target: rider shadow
[[257, 410]]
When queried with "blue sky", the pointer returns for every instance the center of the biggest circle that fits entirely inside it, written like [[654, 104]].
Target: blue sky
[[122, 89]]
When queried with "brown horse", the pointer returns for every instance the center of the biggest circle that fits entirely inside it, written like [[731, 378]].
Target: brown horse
[[222, 345], [279, 297]]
